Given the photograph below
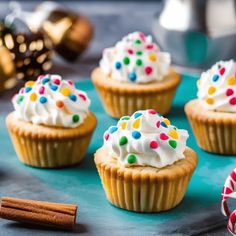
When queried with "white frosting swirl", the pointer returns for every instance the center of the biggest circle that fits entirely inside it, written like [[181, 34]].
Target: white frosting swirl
[[145, 139], [52, 101], [135, 59], [217, 87]]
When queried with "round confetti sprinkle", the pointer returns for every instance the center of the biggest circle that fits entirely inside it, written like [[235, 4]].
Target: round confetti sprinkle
[[173, 134], [229, 92], [123, 141], [59, 104], [211, 90], [152, 57], [65, 92], [139, 62], [148, 70], [231, 81], [45, 80], [173, 143], [29, 83], [232, 101], [136, 134], [73, 97], [130, 51], [126, 61], [153, 144], [163, 124], [41, 90], [43, 100], [150, 46], [113, 129], [139, 53], [215, 78], [210, 101], [118, 65], [137, 114], [33, 97], [132, 76], [106, 136], [56, 81], [20, 99], [75, 118], [82, 96], [138, 41], [125, 118], [28, 89], [163, 136], [131, 159], [53, 87], [152, 112], [222, 71]]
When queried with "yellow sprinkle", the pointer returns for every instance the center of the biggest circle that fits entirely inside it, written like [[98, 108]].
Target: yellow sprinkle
[[211, 90], [167, 122], [29, 83], [210, 101], [33, 97], [65, 92], [123, 125], [173, 134], [231, 80], [136, 124], [152, 57]]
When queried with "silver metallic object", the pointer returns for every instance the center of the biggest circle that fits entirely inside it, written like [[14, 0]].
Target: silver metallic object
[[197, 33]]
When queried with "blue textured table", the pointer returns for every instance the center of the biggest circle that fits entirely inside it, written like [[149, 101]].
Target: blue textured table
[[198, 214]]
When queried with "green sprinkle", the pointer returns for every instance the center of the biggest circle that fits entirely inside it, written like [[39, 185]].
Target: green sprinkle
[[126, 61], [131, 159], [173, 143], [20, 99], [123, 140], [75, 118], [138, 41], [139, 53], [125, 118], [139, 62]]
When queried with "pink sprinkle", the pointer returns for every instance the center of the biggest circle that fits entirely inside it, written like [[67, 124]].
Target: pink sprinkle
[[158, 124], [130, 51], [163, 136], [70, 82], [22, 90], [222, 71], [229, 92], [232, 101], [41, 90], [106, 136], [148, 70], [150, 46], [40, 77], [82, 96], [153, 144], [56, 81], [152, 112], [142, 36]]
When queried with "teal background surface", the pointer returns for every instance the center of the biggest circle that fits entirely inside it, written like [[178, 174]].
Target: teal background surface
[[81, 184]]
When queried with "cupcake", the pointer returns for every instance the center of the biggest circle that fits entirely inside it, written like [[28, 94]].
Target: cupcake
[[135, 75], [213, 115], [144, 164], [51, 125]]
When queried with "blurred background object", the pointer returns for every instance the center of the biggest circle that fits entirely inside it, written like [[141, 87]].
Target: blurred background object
[[197, 33]]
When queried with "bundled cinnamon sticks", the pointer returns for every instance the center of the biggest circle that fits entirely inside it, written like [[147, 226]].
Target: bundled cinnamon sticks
[[48, 214]]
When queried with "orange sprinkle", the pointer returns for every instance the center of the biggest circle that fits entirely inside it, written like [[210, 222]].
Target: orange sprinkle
[[29, 83], [33, 97], [59, 104], [210, 101], [123, 125], [167, 122], [152, 57], [211, 90], [231, 80], [65, 92]]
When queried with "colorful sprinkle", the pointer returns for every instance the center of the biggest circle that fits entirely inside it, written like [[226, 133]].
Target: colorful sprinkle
[[20, 99], [33, 97], [222, 71], [142, 36], [148, 70], [29, 83], [123, 141], [163, 136], [45, 80], [137, 114], [152, 112], [73, 97], [28, 89], [210, 101], [131, 159], [106, 136], [232, 101], [70, 82], [65, 92], [136, 124], [59, 104], [229, 92], [113, 129], [118, 65], [130, 51], [163, 124], [43, 100], [139, 62], [75, 118], [139, 53], [132, 76], [211, 90], [138, 41], [126, 61], [152, 57], [123, 125], [150, 46], [173, 134], [82, 96], [231, 81], [158, 124], [153, 144], [173, 143], [167, 121], [41, 90], [136, 134], [56, 81], [53, 87], [125, 118], [215, 78]]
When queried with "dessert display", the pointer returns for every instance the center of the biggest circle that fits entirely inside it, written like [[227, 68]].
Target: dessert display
[[144, 164], [213, 114], [51, 125], [135, 75]]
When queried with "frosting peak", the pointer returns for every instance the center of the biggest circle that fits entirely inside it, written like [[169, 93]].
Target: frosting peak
[[217, 87], [52, 101], [145, 139], [135, 59]]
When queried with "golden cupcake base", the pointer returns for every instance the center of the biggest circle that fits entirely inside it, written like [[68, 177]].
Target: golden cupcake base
[[120, 98], [50, 147], [145, 189], [214, 131]]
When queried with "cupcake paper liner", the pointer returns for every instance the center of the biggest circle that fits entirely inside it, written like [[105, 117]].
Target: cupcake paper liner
[[50, 147], [214, 131], [120, 99], [145, 189]]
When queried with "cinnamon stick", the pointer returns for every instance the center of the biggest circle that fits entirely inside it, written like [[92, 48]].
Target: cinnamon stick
[[48, 214]]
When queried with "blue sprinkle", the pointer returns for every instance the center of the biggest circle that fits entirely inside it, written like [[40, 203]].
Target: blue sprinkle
[[136, 134], [163, 124], [43, 100], [45, 80], [137, 114], [118, 65], [215, 78], [53, 87], [73, 97], [132, 76], [28, 89], [113, 129]]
